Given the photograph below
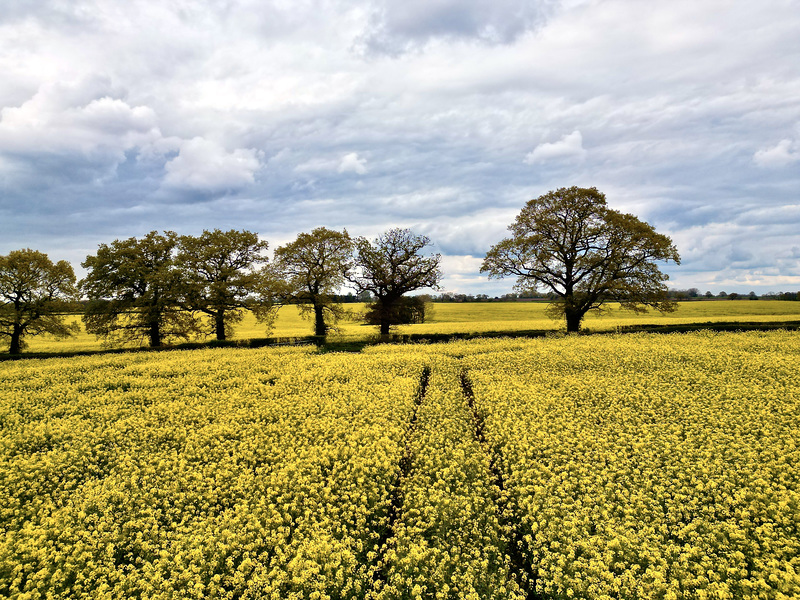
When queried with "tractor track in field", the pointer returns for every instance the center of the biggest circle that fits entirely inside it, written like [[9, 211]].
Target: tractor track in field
[[396, 497], [520, 568]]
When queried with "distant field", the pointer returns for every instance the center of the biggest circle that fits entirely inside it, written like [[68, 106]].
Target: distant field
[[621, 466], [515, 316], [476, 317]]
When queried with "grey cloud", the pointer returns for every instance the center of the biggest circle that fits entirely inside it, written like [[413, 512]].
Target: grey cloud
[[737, 254], [400, 26], [471, 234], [51, 12]]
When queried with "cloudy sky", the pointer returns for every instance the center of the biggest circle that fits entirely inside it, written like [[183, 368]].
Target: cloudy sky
[[445, 116]]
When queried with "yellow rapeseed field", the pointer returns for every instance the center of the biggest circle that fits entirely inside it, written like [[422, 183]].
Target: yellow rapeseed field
[[475, 317], [616, 466], [650, 466]]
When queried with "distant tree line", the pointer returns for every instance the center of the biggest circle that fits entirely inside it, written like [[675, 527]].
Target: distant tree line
[[680, 295], [509, 297], [793, 296], [694, 294]]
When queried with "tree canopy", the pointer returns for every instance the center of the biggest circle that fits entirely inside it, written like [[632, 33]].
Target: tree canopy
[[313, 268], [570, 243], [135, 291], [220, 276], [391, 266], [34, 293]]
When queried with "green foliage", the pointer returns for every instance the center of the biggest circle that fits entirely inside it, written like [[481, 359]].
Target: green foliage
[[313, 268], [408, 310], [135, 292], [220, 277], [392, 266], [33, 293], [568, 242]]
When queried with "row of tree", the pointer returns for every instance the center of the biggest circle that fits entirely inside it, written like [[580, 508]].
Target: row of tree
[[566, 245], [694, 293], [792, 296], [164, 286]]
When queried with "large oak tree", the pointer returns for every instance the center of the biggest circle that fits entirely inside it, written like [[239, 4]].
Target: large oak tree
[[314, 267], [392, 265], [34, 294], [569, 243], [221, 276], [135, 291]]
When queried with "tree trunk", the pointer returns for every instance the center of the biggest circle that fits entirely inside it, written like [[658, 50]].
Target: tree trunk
[[574, 319], [155, 335], [219, 325], [386, 306], [16, 340], [319, 320], [385, 323]]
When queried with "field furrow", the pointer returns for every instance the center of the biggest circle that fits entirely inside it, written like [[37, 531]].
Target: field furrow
[[448, 541], [521, 569], [397, 494]]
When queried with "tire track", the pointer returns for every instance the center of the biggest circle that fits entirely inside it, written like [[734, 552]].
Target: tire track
[[396, 497], [521, 568]]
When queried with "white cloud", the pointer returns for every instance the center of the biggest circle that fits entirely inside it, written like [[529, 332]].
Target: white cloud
[[569, 147], [457, 264], [780, 155], [462, 274], [351, 163], [205, 166], [83, 117]]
